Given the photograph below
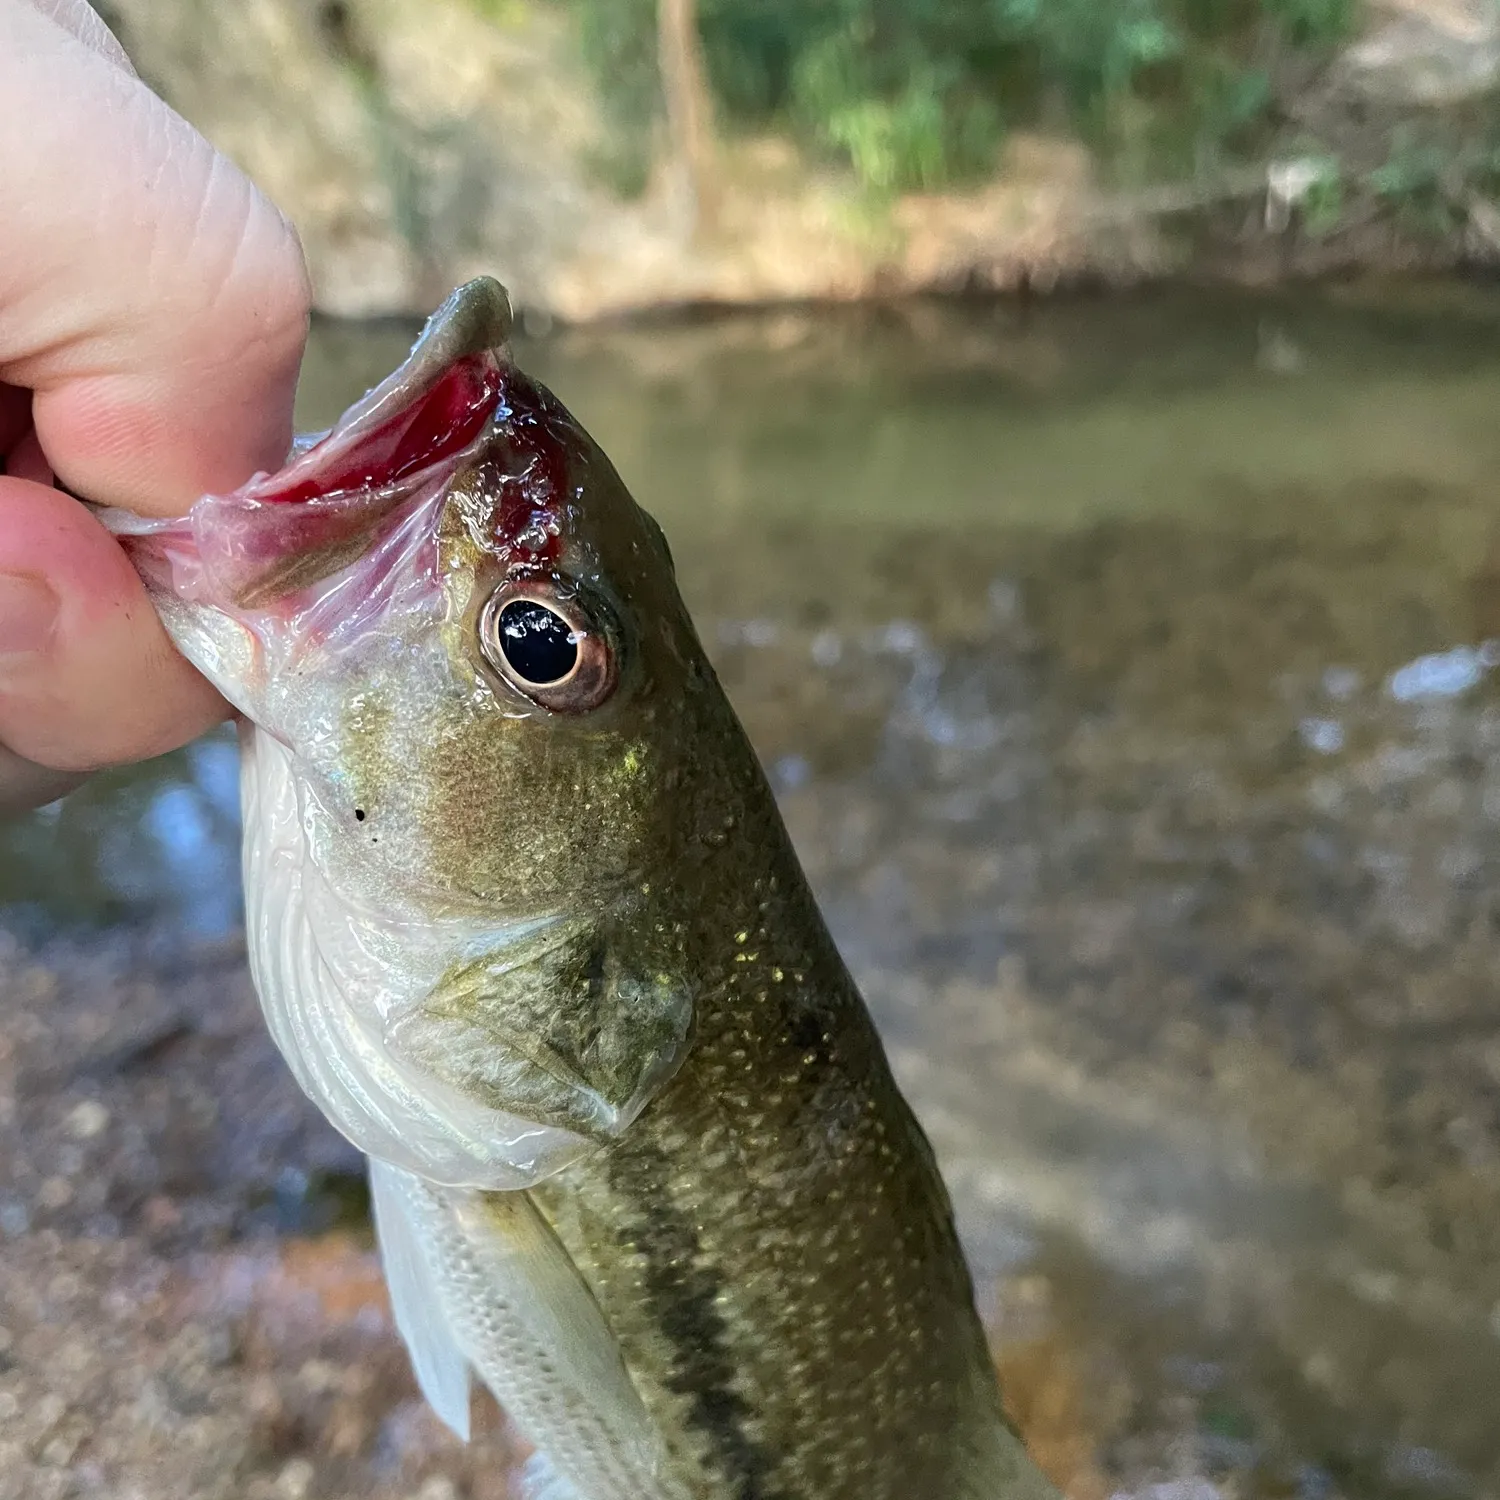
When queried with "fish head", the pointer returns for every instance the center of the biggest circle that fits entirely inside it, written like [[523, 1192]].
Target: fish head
[[482, 742]]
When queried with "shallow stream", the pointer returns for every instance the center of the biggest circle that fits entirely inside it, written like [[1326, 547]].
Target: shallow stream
[[1127, 673]]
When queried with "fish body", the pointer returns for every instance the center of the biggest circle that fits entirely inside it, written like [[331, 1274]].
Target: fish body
[[526, 923]]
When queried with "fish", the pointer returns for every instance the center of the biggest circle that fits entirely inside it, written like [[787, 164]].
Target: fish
[[528, 928]]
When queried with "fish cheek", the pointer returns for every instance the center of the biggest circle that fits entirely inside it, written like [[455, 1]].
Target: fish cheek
[[582, 1012], [367, 797], [537, 814], [390, 784]]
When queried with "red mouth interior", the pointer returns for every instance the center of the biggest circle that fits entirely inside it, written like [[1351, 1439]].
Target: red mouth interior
[[440, 423], [272, 548]]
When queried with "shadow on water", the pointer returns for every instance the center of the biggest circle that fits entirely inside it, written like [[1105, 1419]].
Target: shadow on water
[[1125, 673]]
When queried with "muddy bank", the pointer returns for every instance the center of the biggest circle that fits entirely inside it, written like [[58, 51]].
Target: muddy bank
[[418, 142]]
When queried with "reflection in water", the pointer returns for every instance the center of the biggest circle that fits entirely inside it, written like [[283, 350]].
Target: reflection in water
[[1120, 683], [147, 844], [187, 823], [1443, 674]]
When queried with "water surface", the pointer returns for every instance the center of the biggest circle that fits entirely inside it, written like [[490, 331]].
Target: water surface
[[1126, 671]]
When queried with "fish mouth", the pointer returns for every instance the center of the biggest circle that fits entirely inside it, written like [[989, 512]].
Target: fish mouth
[[431, 407], [259, 549]]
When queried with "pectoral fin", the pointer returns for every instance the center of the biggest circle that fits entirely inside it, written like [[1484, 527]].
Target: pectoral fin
[[440, 1366], [494, 1289], [515, 1258], [540, 1481]]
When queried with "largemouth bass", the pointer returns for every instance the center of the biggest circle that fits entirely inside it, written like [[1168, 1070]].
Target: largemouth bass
[[527, 926]]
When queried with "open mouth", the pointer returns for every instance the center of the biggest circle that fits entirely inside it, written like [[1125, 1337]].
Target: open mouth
[[344, 492]]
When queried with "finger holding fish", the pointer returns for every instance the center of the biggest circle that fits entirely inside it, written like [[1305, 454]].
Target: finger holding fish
[[88, 676], [149, 348]]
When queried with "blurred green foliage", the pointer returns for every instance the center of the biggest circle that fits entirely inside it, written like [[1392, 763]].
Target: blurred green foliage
[[914, 93]]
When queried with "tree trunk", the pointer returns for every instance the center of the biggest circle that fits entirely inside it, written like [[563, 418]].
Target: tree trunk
[[690, 124]]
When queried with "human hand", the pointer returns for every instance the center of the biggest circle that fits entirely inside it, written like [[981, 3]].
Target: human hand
[[153, 311]]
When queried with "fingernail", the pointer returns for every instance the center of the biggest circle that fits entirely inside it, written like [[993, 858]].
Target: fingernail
[[28, 615]]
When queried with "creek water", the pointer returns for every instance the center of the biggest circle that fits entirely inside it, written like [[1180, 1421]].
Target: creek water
[[1127, 672]]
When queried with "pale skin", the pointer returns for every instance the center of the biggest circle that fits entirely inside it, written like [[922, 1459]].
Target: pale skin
[[153, 312]]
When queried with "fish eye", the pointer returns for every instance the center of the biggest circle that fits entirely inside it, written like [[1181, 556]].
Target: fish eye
[[548, 644]]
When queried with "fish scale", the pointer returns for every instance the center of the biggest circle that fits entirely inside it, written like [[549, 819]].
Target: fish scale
[[729, 1280]]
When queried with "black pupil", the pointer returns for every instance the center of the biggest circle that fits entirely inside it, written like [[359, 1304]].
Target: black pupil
[[537, 643]]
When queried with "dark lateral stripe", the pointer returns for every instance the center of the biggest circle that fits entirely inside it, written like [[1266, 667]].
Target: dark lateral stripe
[[683, 1289]]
